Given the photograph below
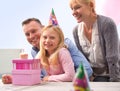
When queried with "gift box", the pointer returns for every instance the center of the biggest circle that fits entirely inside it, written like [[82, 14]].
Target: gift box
[[26, 71]]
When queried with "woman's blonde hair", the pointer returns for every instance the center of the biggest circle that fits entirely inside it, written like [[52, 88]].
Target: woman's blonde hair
[[53, 59], [71, 2]]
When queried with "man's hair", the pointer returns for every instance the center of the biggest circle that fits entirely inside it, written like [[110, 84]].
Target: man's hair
[[31, 19]]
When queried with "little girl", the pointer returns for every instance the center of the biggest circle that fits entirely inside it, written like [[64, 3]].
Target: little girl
[[54, 56]]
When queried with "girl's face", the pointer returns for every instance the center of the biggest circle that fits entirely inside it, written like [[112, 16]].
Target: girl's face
[[81, 11], [50, 40]]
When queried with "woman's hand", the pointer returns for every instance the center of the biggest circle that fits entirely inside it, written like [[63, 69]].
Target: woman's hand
[[7, 79]]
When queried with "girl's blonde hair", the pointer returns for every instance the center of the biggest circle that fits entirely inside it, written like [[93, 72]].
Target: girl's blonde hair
[[53, 59]]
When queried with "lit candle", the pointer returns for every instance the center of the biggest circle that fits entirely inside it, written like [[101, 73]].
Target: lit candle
[[23, 55]]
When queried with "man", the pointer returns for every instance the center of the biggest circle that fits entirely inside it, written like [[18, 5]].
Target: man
[[32, 28]]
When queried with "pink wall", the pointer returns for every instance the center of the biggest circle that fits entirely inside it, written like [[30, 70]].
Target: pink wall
[[111, 8]]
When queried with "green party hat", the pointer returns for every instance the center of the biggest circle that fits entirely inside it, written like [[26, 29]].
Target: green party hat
[[53, 19], [81, 82], [80, 71]]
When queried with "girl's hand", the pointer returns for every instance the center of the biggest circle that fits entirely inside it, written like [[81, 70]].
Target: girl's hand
[[45, 79], [7, 79]]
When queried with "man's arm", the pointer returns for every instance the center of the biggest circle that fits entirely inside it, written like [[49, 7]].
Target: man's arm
[[78, 57]]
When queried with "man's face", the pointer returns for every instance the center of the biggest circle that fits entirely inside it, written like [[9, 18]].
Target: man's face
[[32, 33]]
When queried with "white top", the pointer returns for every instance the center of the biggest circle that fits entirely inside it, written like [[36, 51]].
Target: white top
[[93, 49]]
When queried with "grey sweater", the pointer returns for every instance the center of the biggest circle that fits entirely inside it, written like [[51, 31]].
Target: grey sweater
[[109, 42]]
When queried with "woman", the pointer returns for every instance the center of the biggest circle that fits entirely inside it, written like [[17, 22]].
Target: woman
[[96, 36]]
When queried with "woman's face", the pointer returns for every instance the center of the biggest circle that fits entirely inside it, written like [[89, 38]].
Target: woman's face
[[81, 11], [50, 40]]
